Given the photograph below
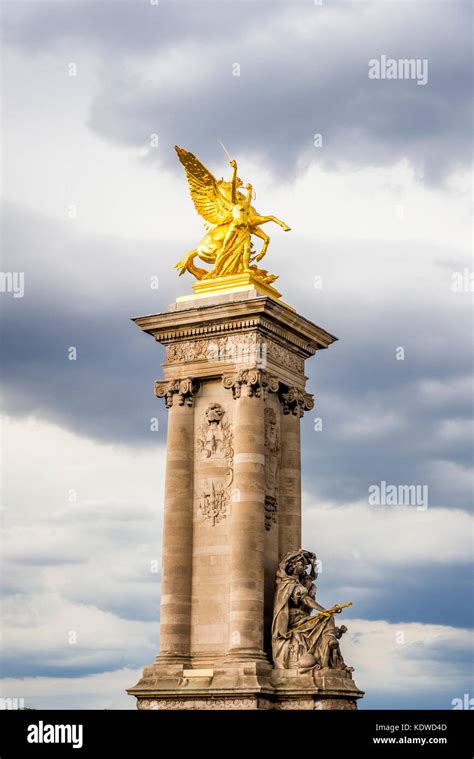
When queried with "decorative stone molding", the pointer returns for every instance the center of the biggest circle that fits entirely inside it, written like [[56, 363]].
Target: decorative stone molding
[[161, 703], [272, 466], [247, 347], [252, 702], [283, 356], [271, 510], [186, 324], [295, 704], [296, 401], [339, 704], [189, 350], [230, 703], [255, 381], [204, 703], [241, 348], [183, 390]]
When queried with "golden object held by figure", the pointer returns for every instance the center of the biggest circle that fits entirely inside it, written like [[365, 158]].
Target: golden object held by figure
[[230, 221]]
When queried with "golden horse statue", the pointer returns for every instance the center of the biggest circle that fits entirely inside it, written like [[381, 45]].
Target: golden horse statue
[[230, 220]]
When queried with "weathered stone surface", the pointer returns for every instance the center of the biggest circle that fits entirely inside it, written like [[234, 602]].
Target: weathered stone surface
[[234, 386]]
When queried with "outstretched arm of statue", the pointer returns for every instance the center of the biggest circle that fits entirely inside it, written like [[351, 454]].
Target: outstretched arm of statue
[[312, 604], [234, 181], [248, 199]]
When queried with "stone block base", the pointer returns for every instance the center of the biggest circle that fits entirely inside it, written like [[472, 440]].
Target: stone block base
[[243, 686]]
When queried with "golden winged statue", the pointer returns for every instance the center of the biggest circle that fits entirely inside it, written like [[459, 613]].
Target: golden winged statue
[[230, 221]]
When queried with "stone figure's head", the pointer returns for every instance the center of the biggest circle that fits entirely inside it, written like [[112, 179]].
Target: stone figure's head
[[214, 413], [297, 564]]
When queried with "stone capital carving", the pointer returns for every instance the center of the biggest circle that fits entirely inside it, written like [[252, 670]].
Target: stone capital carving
[[254, 382], [181, 391], [296, 401]]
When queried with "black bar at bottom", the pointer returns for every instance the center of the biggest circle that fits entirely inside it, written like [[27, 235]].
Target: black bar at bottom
[[61, 733]]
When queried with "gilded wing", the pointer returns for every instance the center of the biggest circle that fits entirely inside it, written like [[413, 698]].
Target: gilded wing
[[208, 201]]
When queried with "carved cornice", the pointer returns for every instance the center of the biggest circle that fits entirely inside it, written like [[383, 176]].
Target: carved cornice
[[209, 331], [209, 318], [182, 390]]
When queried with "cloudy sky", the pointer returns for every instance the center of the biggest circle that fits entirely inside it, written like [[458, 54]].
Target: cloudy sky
[[94, 205]]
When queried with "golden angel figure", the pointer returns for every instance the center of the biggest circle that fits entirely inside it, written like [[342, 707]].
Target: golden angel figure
[[230, 221]]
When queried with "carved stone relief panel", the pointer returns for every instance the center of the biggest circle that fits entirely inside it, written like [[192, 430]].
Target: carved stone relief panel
[[243, 348], [216, 463]]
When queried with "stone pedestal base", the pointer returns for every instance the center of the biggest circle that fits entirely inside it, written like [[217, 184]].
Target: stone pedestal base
[[241, 686]]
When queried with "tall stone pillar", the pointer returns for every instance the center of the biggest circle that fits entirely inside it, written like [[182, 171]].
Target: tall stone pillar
[[175, 605], [235, 388], [247, 519]]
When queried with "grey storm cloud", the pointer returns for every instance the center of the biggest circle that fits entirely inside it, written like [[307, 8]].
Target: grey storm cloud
[[434, 594], [303, 71], [63, 664]]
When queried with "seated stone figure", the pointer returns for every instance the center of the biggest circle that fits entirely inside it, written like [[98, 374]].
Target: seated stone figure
[[301, 640]]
